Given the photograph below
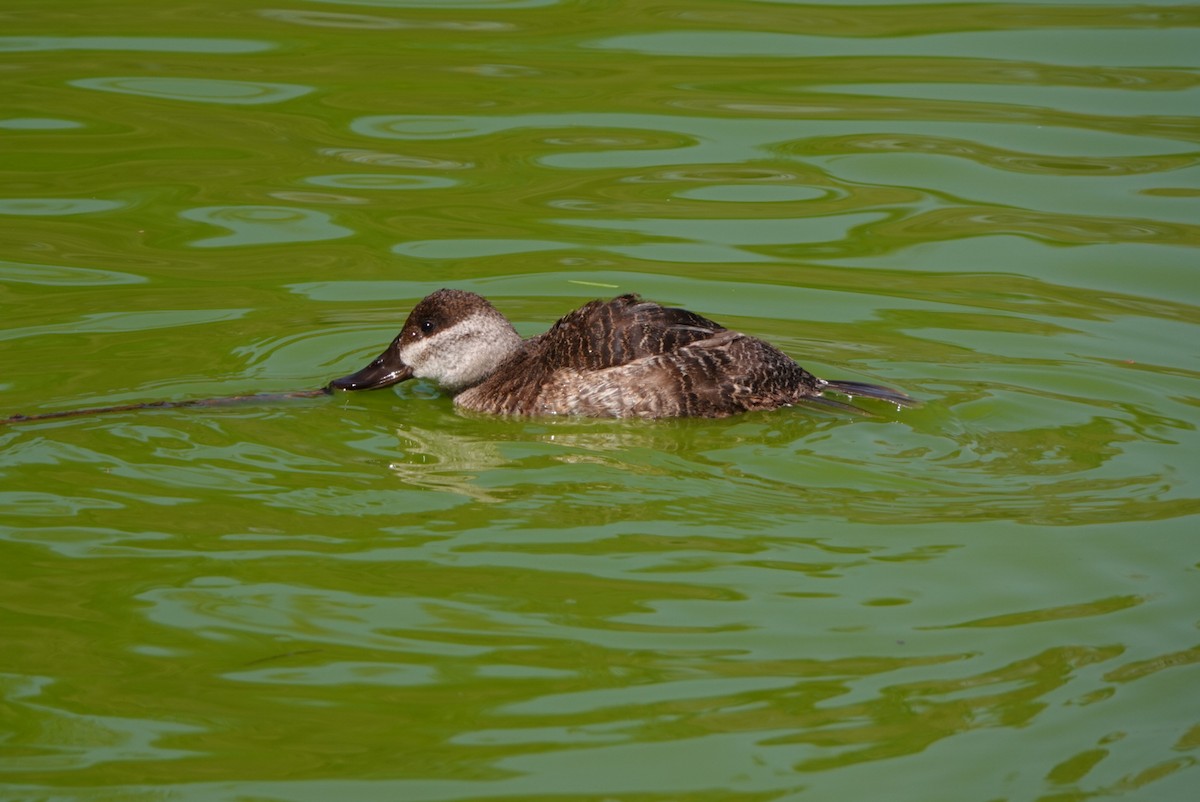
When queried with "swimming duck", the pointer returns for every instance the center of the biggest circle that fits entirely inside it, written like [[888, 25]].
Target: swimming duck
[[624, 358]]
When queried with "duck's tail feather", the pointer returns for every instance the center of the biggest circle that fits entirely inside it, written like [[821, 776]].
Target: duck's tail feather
[[877, 391]]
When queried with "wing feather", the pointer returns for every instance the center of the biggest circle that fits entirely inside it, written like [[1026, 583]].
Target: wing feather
[[607, 334]]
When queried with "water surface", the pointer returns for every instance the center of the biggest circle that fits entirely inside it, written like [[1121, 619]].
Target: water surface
[[991, 205]]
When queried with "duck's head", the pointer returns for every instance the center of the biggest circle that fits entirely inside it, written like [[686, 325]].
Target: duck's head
[[455, 338]]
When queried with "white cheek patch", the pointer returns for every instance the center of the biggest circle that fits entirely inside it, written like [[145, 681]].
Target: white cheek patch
[[463, 354]]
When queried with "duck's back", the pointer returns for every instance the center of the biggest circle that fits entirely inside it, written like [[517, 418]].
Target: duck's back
[[607, 334], [629, 358]]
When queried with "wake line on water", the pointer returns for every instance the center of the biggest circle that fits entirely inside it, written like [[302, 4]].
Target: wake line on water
[[224, 401]]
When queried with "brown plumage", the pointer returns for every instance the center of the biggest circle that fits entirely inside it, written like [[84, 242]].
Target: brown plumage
[[612, 359]]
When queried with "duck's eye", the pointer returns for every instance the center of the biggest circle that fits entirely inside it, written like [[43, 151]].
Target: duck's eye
[[428, 326]]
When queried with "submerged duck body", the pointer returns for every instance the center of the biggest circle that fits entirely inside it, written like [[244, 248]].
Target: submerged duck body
[[624, 358]]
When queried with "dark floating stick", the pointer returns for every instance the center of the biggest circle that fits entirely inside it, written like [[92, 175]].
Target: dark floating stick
[[224, 401]]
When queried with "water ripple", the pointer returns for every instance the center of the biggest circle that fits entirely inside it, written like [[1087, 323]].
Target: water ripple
[[1171, 48], [263, 225], [63, 276], [385, 181], [133, 44], [197, 90], [56, 207], [327, 19]]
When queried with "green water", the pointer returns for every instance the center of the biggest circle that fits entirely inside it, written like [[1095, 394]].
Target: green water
[[994, 206]]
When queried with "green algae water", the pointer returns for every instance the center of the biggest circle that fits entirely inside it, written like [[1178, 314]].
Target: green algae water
[[992, 206]]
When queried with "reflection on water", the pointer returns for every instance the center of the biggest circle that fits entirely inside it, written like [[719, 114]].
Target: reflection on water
[[373, 596], [568, 584], [259, 225], [25, 44], [54, 207], [202, 90]]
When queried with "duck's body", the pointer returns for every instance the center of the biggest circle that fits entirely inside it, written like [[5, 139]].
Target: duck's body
[[607, 359]]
